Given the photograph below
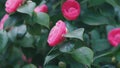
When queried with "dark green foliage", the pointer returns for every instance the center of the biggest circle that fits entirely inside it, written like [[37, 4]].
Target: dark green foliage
[[86, 45]]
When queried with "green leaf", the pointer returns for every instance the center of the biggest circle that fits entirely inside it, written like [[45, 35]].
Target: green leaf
[[112, 2], [42, 19], [29, 66], [107, 10], [105, 59], [27, 8], [83, 55], [50, 57], [41, 43], [11, 21], [42, 2], [21, 31], [3, 40], [17, 32], [78, 33], [74, 64], [67, 47], [94, 35], [118, 56], [14, 54], [96, 2], [100, 44], [116, 5], [27, 41], [34, 29], [69, 26], [17, 66], [51, 66], [95, 20], [109, 27], [12, 34]]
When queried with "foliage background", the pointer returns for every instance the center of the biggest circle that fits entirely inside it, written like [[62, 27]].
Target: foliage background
[[86, 45]]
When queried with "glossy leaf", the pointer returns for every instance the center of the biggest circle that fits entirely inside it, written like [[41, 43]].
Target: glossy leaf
[[21, 31], [51, 66], [83, 55], [76, 65], [3, 40], [96, 2], [34, 29], [67, 47], [95, 20], [29, 66], [100, 44], [27, 41], [94, 35], [109, 27], [14, 54], [11, 21], [17, 32], [12, 34], [78, 33], [49, 58], [112, 2], [42, 19], [27, 8]]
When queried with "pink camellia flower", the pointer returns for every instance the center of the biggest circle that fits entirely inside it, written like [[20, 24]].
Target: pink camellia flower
[[12, 5], [41, 8], [114, 37], [71, 9], [56, 34], [3, 21]]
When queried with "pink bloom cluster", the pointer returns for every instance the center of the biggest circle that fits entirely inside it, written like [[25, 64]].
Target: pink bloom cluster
[[12, 5], [3, 21], [114, 37], [41, 8], [56, 34], [71, 9]]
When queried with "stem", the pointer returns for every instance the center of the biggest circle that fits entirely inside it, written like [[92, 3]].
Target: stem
[[102, 55], [50, 50]]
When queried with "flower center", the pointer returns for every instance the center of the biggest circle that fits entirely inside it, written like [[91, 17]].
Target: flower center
[[72, 10]]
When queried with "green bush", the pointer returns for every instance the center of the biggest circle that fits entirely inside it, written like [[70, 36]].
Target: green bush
[[23, 41]]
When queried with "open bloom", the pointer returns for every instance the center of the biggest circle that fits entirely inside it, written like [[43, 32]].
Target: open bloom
[[56, 34], [3, 21], [41, 8], [12, 5], [71, 9], [114, 37]]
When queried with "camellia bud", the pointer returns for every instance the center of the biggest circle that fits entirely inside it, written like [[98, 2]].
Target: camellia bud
[[3, 21], [114, 37], [71, 9], [56, 34], [41, 8], [62, 64], [12, 5]]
